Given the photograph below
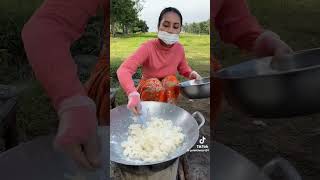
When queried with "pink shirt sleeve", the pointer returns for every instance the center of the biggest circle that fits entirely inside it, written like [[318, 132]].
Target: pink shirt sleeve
[[47, 38], [236, 25], [130, 66]]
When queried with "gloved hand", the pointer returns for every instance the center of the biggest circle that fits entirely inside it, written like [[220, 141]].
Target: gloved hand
[[194, 75], [77, 132], [134, 103], [270, 44]]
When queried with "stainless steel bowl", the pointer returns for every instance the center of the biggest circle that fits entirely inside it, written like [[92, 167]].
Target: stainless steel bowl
[[261, 89], [195, 89]]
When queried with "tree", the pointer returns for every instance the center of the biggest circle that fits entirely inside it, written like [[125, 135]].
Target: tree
[[139, 5], [143, 26], [185, 27], [197, 28], [124, 14], [202, 27], [139, 26]]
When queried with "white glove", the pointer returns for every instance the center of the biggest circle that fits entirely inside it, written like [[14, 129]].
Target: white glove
[[194, 75], [77, 133], [270, 44], [134, 102]]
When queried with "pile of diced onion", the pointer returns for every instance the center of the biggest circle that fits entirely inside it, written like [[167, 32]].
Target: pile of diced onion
[[155, 142]]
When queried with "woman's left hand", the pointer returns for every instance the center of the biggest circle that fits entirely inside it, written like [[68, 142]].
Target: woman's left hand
[[194, 75], [270, 44]]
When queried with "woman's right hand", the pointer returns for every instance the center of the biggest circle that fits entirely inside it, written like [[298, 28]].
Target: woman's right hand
[[134, 102], [194, 75], [77, 132]]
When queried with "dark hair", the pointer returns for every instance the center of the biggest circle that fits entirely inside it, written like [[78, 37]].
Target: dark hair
[[169, 9]]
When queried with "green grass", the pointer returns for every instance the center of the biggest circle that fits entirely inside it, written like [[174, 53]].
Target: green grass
[[197, 49]]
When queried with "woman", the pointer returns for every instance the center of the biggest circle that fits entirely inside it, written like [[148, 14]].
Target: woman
[[47, 38], [160, 59], [235, 24]]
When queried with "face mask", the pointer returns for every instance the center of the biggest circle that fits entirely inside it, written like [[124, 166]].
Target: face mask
[[168, 38]]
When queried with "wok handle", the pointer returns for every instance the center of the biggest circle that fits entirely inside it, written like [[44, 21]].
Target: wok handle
[[286, 169], [203, 120]]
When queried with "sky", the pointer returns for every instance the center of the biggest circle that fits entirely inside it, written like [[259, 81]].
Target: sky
[[191, 10]]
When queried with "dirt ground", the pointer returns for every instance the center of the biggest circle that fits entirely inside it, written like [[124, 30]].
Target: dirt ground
[[198, 162], [295, 139]]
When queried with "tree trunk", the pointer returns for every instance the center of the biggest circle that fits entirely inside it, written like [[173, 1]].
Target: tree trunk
[[126, 29], [123, 29], [113, 29]]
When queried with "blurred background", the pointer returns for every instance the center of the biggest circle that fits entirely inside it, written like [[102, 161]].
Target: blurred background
[[35, 115], [296, 139], [296, 21]]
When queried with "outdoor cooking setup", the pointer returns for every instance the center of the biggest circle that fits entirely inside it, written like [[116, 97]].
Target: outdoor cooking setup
[[37, 159], [120, 121], [190, 124], [270, 87]]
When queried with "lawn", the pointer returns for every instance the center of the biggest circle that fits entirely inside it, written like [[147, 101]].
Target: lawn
[[197, 49]]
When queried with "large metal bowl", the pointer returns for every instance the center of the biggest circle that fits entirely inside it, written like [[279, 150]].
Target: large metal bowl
[[195, 89], [258, 90], [122, 118]]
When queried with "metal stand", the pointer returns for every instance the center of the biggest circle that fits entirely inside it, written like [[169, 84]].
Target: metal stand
[[163, 171]]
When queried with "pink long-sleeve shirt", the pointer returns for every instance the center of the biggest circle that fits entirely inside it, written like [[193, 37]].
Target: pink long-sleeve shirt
[[235, 23], [156, 60], [47, 38]]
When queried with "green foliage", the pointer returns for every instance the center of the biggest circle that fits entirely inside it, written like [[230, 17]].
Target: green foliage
[[140, 26], [197, 27], [123, 13], [124, 17]]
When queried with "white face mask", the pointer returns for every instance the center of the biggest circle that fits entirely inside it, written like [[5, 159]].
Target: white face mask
[[168, 38]]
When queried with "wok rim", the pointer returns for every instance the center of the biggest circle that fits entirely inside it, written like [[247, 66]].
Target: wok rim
[[157, 162], [284, 72], [195, 85]]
